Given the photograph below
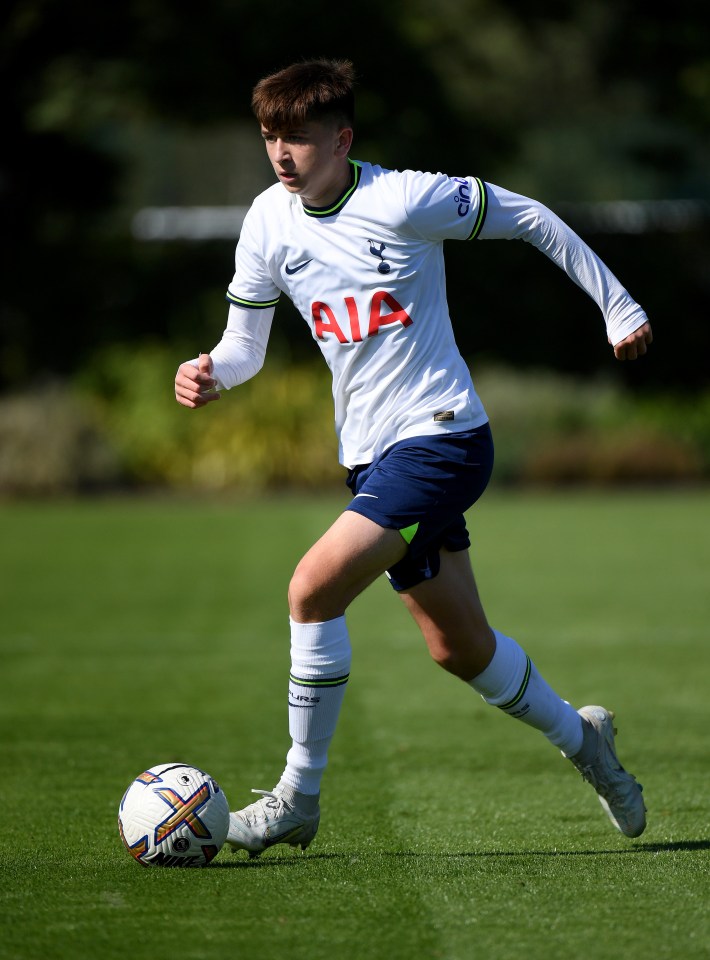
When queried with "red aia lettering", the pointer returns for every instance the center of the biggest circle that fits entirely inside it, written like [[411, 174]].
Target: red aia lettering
[[326, 326], [354, 319], [377, 319], [324, 320]]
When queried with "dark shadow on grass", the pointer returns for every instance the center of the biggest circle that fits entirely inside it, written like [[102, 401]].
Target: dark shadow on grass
[[259, 863], [681, 845], [294, 859]]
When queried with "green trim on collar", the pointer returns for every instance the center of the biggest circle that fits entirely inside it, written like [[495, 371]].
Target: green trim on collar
[[355, 173]]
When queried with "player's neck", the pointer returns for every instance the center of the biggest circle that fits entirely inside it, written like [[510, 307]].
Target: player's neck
[[332, 190]]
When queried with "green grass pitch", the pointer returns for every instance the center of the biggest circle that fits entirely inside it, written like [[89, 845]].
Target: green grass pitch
[[135, 632]]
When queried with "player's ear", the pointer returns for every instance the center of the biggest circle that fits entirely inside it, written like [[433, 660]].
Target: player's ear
[[344, 141]]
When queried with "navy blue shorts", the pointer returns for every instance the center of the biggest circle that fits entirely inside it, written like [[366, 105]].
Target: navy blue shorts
[[422, 487]]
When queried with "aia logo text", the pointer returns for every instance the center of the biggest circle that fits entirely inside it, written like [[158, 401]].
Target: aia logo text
[[349, 326]]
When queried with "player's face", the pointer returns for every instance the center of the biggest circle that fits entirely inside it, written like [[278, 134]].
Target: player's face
[[311, 160]]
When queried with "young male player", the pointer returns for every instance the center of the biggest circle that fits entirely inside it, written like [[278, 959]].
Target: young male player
[[359, 250]]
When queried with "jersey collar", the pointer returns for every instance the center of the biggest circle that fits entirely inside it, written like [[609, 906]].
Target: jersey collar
[[333, 208]]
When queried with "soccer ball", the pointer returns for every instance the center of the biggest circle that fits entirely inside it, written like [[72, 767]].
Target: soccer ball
[[173, 815]]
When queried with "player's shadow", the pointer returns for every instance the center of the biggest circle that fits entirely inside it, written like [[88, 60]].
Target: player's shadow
[[293, 860], [637, 848], [289, 860]]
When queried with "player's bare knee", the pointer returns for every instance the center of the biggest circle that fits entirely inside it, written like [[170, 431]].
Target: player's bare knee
[[308, 594], [300, 590], [463, 655]]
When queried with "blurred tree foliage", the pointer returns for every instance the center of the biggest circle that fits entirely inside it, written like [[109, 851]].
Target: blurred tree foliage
[[577, 100]]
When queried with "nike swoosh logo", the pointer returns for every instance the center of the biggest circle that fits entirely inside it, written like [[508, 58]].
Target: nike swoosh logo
[[269, 840], [299, 266], [371, 495]]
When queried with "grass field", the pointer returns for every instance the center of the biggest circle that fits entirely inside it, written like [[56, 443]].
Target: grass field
[[135, 632]]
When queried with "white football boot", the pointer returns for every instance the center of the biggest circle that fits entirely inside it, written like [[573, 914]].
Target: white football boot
[[619, 793], [273, 819]]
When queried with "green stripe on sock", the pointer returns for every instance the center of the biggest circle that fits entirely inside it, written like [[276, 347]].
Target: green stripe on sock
[[523, 687], [327, 682]]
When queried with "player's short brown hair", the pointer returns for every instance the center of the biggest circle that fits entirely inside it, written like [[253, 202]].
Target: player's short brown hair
[[320, 90]]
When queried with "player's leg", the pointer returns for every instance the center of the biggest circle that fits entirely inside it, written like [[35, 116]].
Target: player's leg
[[449, 613], [349, 556], [405, 497], [346, 559]]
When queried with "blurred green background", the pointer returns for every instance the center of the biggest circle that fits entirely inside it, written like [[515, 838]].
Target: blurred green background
[[129, 155]]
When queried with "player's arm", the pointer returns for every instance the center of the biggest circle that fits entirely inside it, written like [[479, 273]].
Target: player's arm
[[237, 357], [510, 216]]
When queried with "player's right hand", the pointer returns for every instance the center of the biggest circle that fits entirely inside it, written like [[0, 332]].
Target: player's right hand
[[195, 385]]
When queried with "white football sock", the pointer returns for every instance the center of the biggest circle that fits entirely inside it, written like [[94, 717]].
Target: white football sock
[[512, 683], [320, 667]]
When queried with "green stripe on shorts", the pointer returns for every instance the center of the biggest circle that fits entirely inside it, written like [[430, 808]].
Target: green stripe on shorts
[[409, 533]]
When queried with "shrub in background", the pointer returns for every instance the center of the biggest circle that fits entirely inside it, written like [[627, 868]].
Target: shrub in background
[[533, 410], [275, 430], [120, 424], [622, 458], [550, 430], [51, 442]]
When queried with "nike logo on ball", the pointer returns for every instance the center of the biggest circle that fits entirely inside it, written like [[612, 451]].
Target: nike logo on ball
[[299, 266]]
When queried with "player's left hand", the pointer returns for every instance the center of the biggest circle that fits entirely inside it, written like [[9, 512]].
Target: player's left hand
[[635, 345]]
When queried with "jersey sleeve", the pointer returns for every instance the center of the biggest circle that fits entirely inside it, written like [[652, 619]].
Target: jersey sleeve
[[439, 207], [514, 217], [252, 286], [240, 353]]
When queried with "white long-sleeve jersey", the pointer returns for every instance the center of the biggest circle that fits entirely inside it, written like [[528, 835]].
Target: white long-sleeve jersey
[[367, 276]]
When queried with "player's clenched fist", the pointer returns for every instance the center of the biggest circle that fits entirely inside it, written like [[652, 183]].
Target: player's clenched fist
[[635, 345], [195, 385]]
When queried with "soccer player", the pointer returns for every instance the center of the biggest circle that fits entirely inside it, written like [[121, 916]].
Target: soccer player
[[359, 250]]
